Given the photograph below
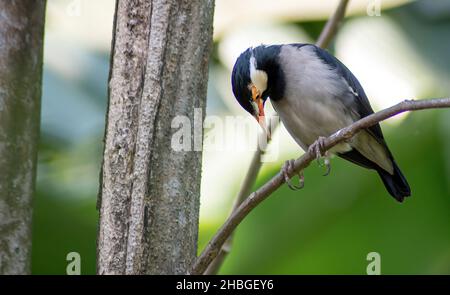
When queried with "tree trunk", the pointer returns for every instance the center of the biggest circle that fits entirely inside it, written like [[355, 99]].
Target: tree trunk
[[149, 194], [21, 50]]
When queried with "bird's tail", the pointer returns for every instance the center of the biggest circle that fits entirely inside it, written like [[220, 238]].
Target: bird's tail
[[395, 184]]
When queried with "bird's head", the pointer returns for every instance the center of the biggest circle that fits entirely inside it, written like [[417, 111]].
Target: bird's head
[[253, 77]]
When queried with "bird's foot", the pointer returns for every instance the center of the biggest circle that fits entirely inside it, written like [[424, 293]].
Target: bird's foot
[[317, 148], [288, 169]]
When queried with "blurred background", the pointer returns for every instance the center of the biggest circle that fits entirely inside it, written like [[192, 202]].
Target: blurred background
[[398, 49]]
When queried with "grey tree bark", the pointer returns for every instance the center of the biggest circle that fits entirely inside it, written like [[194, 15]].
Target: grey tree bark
[[21, 53], [149, 194]]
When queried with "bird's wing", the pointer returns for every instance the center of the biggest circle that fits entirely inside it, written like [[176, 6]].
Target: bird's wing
[[360, 104], [367, 154]]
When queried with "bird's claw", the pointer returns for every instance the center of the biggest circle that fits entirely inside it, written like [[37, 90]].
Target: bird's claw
[[287, 170], [317, 148]]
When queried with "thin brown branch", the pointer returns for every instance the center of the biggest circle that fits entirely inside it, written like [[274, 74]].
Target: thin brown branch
[[332, 25], [212, 249], [327, 34]]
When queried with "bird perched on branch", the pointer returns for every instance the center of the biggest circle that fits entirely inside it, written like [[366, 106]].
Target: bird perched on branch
[[314, 95]]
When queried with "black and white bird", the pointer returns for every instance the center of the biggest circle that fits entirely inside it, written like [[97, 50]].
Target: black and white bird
[[314, 95]]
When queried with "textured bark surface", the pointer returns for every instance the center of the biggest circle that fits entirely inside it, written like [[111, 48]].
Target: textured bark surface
[[149, 198], [21, 49]]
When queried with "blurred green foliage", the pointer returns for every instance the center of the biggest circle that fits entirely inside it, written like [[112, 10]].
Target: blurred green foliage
[[62, 226]]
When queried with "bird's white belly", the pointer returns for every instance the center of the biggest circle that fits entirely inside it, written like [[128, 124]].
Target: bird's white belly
[[308, 119]]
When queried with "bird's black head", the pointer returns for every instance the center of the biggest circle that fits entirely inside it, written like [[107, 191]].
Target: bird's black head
[[240, 81], [257, 76]]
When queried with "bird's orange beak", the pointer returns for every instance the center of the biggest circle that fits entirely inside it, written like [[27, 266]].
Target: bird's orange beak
[[260, 117]]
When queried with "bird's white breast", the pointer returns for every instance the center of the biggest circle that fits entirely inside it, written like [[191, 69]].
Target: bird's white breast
[[309, 107]]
